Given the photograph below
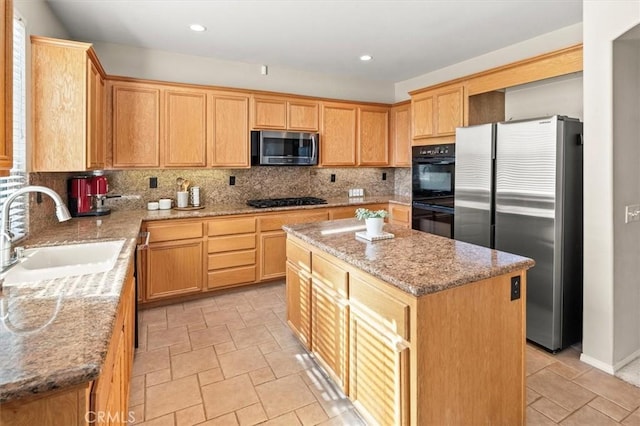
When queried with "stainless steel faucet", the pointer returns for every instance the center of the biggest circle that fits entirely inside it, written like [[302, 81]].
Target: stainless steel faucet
[[6, 238]]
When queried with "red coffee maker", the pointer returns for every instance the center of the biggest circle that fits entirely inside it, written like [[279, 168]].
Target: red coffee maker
[[86, 195]]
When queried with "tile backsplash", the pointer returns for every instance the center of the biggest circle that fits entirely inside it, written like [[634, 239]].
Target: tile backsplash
[[256, 182]]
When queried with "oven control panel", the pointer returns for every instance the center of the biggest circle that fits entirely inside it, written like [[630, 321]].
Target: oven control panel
[[435, 150]]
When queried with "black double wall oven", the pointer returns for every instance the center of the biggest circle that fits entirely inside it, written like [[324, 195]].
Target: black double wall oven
[[433, 182]]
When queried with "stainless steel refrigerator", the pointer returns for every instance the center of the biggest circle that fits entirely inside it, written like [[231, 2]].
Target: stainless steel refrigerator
[[518, 188]]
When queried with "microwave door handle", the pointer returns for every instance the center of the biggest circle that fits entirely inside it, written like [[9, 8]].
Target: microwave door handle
[[314, 146]]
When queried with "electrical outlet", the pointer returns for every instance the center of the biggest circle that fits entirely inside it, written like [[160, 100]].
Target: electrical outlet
[[153, 182], [515, 287], [333, 177], [632, 213], [232, 180], [384, 175]]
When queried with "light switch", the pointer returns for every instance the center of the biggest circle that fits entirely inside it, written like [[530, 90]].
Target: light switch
[[632, 213]]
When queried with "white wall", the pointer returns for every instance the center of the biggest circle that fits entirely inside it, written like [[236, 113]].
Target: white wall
[[554, 40], [603, 22], [560, 95], [160, 65]]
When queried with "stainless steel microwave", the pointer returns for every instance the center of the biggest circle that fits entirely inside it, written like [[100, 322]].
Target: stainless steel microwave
[[269, 148]]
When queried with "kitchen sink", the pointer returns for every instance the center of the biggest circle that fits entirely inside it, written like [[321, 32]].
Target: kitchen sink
[[44, 263]]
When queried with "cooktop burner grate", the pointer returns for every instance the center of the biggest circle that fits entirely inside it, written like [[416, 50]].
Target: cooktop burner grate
[[284, 202]]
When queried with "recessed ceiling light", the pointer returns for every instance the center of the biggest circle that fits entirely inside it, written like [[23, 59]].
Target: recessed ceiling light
[[197, 27], [366, 57]]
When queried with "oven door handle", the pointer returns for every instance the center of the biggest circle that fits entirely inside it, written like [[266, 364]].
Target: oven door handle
[[433, 208]]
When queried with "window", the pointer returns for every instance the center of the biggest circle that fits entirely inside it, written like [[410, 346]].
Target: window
[[18, 175]]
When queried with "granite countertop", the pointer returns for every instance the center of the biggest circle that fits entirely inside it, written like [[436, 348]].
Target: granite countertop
[[55, 333], [416, 262]]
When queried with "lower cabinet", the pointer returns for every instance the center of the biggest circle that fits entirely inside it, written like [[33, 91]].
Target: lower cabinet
[[400, 215], [299, 291], [231, 250], [174, 268]]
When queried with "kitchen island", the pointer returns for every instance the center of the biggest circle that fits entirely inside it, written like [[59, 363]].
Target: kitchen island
[[417, 329]]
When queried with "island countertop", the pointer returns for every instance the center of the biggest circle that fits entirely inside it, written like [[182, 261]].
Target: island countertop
[[415, 262]]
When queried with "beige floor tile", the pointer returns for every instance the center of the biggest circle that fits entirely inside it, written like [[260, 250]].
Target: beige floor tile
[[559, 390], [285, 339], [251, 336], [146, 362], [612, 388], [261, 376], [142, 338], [283, 395], [550, 409], [251, 415], [223, 348], [166, 420], [609, 408], [241, 361], [236, 325], [564, 370], [571, 357], [332, 400], [168, 337], [288, 419], [221, 317], [158, 376], [226, 420], [153, 316], [136, 414], [252, 318], [228, 396], [190, 416], [180, 348], [157, 326], [174, 308], [633, 419], [193, 362], [311, 414], [269, 347], [536, 360], [209, 336], [230, 300], [178, 318], [289, 361], [535, 418], [206, 302], [210, 376], [136, 390], [532, 395], [348, 417], [245, 307], [588, 416], [265, 301], [196, 326], [172, 396]]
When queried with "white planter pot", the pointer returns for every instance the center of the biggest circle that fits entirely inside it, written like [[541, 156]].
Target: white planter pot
[[374, 226]]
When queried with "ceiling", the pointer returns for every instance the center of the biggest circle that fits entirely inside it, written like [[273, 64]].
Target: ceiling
[[405, 38]]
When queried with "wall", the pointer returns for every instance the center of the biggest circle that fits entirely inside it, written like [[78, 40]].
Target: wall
[[560, 95], [159, 65], [538, 45], [603, 21]]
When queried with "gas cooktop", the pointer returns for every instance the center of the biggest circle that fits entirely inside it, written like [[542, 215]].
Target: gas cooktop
[[283, 202]]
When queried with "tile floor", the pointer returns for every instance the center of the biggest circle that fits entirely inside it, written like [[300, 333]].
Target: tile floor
[[231, 360]]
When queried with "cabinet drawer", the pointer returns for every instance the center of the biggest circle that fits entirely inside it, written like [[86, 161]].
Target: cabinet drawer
[[246, 274], [392, 312], [298, 255], [272, 223], [331, 275], [399, 214], [232, 242], [174, 231], [231, 259], [241, 225]]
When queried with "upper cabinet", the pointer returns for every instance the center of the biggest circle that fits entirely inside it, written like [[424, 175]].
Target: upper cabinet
[[270, 112], [373, 136], [185, 128], [6, 86], [436, 114], [68, 106], [400, 135], [229, 129], [339, 134]]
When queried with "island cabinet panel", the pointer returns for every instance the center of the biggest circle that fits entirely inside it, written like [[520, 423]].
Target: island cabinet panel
[[229, 134], [65, 407], [299, 292], [400, 135], [373, 136], [185, 121], [136, 127], [339, 134]]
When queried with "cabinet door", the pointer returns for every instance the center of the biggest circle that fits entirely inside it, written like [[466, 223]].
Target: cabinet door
[[273, 254], [95, 118], [400, 124], [400, 215], [174, 268], [449, 111], [422, 116], [230, 134], [299, 303], [302, 116], [329, 333], [373, 136], [136, 126], [6, 85], [338, 141], [378, 372], [269, 113], [185, 121]]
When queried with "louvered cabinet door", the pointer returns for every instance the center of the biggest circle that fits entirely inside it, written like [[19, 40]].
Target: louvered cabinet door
[[329, 333], [299, 303], [379, 375]]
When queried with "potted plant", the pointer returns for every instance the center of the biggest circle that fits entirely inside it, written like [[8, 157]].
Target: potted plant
[[372, 219]]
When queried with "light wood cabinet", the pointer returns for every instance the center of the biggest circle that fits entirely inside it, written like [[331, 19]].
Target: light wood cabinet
[[67, 106], [229, 124], [435, 114], [136, 125], [400, 215], [231, 250], [339, 134], [373, 136], [185, 128], [6, 86], [400, 135], [284, 113], [299, 291], [174, 259]]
